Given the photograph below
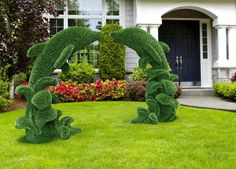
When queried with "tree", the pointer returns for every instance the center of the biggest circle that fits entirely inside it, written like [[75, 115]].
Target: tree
[[111, 60], [22, 25]]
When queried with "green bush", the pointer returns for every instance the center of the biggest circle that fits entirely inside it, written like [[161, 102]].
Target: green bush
[[111, 61], [140, 74], [3, 73], [4, 89], [19, 78], [80, 73], [227, 90], [4, 104]]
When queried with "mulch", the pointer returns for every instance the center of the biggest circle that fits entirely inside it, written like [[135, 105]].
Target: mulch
[[18, 103]]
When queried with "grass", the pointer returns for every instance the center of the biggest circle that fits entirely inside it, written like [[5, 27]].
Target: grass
[[198, 139]]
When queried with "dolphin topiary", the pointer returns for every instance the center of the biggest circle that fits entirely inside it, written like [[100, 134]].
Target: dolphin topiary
[[41, 121], [160, 89]]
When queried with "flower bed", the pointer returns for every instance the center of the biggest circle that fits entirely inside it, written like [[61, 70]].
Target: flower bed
[[73, 92]]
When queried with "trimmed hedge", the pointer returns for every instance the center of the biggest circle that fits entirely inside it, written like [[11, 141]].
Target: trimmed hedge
[[160, 88], [41, 121], [111, 61], [224, 89]]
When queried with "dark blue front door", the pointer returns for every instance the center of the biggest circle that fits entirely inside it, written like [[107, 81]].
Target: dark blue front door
[[183, 39]]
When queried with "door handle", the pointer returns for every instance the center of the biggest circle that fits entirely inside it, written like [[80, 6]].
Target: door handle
[[177, 61], [181, 61]]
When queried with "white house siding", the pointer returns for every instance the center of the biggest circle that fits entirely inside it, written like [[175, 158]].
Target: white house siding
[[131, 56]]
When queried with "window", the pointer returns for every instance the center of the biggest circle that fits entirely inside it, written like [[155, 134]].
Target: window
[[86, 13], [110, 21], [112, 7], [56, 25], [204, 41], [93, 24], [85, 7]]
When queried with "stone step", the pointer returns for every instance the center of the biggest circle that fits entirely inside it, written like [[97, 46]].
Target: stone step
[[198, 92]]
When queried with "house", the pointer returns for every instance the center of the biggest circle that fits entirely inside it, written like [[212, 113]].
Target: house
[[201, 34]]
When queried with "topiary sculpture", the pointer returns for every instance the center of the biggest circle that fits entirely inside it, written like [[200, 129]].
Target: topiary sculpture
[[160, 89], [41, 121]]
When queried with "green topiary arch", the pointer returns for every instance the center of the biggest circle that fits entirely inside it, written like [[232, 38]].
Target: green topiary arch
[[159, 97], [41, 121]]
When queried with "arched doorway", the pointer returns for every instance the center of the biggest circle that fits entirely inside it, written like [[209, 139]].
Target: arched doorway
[[188, 37]]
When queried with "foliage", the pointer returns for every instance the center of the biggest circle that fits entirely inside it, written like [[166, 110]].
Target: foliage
[[227, 90], [160, 88], [80, 73], [4, 89], [22, 25], [3, 73], [140, 74], [178, 92], [108, 134], [111, 61], [136, 90], [4, 104], [41, 121], [73, 92], [19, 78]]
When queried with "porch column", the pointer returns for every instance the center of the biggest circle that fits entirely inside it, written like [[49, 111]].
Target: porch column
[[232, 45], [221, 41], [143, 27], [154, 31]]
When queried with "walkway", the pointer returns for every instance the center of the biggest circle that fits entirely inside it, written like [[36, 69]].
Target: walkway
[[212, 102]]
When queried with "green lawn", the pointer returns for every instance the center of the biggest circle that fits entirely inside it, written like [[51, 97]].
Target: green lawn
[[199, 138]]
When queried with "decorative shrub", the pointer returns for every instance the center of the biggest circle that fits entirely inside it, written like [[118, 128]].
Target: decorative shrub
[[4, 104], [227, 90], [73, 92], [80, 73], [160, 88], [41, 121], [111, 60], [140, 74], [136, 90]]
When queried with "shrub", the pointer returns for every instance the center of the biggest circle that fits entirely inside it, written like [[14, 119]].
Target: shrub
[[4, 104], [111, 61], [73, 92], [80, 73], [227, 90], [136, 90], [4, 89], [3, 72], [178, 91], [19, 78], [140, 74]]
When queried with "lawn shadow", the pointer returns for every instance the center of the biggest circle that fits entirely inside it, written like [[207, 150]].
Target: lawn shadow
[[23, 140]]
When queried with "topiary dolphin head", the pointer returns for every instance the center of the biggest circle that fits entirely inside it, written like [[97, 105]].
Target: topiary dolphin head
[[132, 37]]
